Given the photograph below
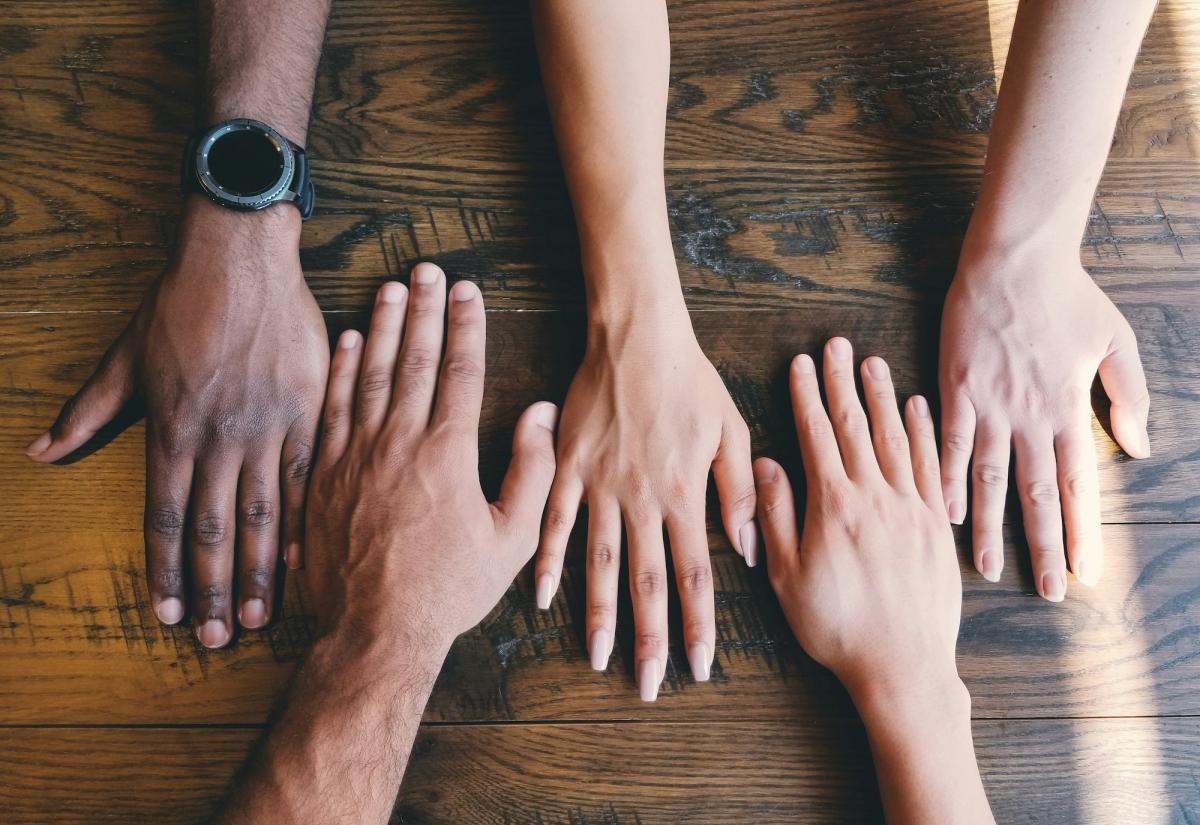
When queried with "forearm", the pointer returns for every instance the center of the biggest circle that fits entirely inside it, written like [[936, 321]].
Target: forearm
[[606, 68], [260, 60], [341, 746], [1068, 65], [924, 756]]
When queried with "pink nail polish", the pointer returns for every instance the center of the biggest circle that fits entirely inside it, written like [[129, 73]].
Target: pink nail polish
[[599, 648], [648, 679], [698, 661], [545, 591], [748, 539]]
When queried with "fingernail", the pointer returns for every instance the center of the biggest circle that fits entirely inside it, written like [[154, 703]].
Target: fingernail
[[598, 647], [169, 611], [957, 512], [253, 614], [1054, 587], [545, 591], [748, 539], [839, 348], [920, 406], [989, 565], [804, 364], [765, 470], [463, 291], [212, 633], [698, 660], [349, 339], [1087, 573], [648, 679], [391, 293], [425, 273], [39, 444], [291, 556], [877, 367], [546, 415]]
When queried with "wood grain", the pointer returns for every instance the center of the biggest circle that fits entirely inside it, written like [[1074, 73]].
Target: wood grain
[[1098, 771]]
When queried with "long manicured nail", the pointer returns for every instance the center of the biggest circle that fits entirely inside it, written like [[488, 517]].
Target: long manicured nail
[[839, 348], [463, 291], [989, 565], [546, 416], [169, 611], [425, 273], [213, 633], [1087, 573], [39, 444], [545, 591], [598, 647], [957, 512], [748, 539], [253, 614], [1054, 586], [648, 679], [392, 292], [291, 556], [698, 660]]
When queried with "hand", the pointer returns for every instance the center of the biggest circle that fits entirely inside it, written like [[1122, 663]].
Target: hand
[[872, 588], [402, 544], [1021, 345], [228, 350], [644, 420]]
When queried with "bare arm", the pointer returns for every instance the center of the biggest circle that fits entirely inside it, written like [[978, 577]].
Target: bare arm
[[647, 415], [404, 553], [1025, 329], [229, 351], [871, 587]]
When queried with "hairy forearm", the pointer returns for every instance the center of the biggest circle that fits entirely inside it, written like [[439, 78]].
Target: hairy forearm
[[341, 745], [606, 68], [924, 756], [1068, 65], [260, 60]]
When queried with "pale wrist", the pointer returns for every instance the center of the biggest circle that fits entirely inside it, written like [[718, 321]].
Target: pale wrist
[[932, 698], [992, 247]]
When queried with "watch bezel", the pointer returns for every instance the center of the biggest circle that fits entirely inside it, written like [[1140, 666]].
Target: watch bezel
[[276, 192]]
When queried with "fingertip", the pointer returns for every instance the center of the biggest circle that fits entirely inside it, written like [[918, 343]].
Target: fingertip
[[918, 406], [392, 292], [1131, 435], [169, 610], [545, 590], [1052, 586], [292, 556], [876, 368], [39, 445], [349, 339], [545, 415], [956, 510], [803, 364], [766, 470], [839, 347]]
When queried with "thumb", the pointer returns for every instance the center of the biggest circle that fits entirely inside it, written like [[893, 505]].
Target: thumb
[[518, 512], [96, 403], [1125, 382]]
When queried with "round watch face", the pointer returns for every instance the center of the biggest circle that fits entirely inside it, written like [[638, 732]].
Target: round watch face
[[244, 164]]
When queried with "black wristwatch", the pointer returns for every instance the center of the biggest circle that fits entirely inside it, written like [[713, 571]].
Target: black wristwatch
[[245, 164]]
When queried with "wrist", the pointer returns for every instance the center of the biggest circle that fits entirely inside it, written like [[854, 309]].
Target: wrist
[[910, 702], [395, 653], [994, 248]]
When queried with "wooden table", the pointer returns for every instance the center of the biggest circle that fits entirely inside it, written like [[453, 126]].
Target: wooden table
[[822, 160]]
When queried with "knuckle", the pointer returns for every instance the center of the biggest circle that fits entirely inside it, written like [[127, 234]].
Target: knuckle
[[651, 640], [957, 442], [558, 520], [215, 596], [773, 507], [1042, 493], [1077, 484], [299, 465], [375, 382], [257, 578], [166, 522], [210, 529], [833, 499], [744, 498], [258, 514], [174, 441], [990, 475], [462, 369], [649, 583], [166, 579], [815, 425], [603, 555], [851, 421], [600, 612], [698, 629], [695, 578], [417, 359], [336, 419], [894, 441]]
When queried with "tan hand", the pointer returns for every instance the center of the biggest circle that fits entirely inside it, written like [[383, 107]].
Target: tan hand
[[400, 534]]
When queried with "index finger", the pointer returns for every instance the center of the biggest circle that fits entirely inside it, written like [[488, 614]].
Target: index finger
[[460, 385], [818, 447]]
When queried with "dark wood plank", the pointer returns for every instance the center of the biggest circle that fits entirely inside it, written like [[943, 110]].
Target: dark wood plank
[[1098, 771], [830, 152]]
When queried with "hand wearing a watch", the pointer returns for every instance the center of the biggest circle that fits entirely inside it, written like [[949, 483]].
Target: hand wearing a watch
[[229, 353]]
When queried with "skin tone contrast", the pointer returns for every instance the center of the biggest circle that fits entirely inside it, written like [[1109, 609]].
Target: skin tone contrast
[[871, 586], [404, 552], [647, 416], [228, 352], [1025, 330]]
